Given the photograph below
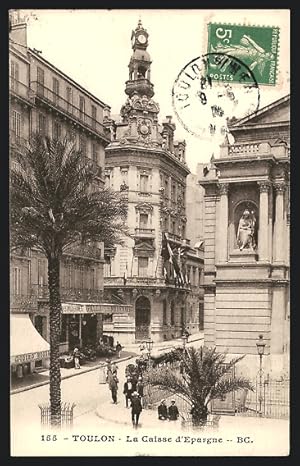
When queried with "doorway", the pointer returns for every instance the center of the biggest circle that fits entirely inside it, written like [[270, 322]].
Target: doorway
[[142, 318]]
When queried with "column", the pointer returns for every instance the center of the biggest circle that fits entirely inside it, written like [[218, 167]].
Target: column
[[279, 233], [263, 232], [223, 222]]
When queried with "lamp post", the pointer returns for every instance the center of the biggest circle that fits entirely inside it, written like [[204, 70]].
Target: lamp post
[[149, 345], [260, 344]]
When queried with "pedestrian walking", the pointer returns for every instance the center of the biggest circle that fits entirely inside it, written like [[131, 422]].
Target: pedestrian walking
[[173, 412], [113, 386], [119, 348], [140, 389], [162, 411], [136, 409], [76, 358], [114, 369], [128, 390]]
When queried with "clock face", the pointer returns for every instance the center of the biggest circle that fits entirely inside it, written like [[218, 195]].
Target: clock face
[[142, 39]]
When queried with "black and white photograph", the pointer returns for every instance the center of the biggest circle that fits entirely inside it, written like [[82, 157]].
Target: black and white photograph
[[149, 220]]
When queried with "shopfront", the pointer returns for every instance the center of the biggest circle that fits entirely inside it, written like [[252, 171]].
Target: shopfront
[[28, 349], [82, 324]]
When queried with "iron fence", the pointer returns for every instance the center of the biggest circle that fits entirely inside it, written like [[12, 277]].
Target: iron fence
[[66, 418], [274, 404]]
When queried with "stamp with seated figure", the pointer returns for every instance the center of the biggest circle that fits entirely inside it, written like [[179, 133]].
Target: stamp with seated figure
[[256, 46]]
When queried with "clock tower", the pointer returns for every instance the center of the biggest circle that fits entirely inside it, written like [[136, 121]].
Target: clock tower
[[139, 65], [146, 163]]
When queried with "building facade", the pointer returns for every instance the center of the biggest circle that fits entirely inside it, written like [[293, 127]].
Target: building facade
[[145, 163], [246, 234], [44, 100]]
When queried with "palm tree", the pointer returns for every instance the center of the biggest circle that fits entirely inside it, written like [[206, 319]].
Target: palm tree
[[54, 205], [204, 377]]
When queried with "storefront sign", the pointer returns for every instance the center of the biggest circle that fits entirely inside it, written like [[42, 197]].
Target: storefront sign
[[103, 308], [21, 358]]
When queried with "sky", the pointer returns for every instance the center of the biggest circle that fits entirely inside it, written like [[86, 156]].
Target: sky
[[94, 48]]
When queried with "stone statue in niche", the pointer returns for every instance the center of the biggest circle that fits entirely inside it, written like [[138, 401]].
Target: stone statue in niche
[[246, 231]]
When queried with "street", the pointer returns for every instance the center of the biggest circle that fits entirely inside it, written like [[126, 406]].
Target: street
[[101, 428]]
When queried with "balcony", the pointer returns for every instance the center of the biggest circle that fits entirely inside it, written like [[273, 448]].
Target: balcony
[[134, 281], [255, 150], [48, 97], [144, 232], [16, 141], [23, 302], [20, 91]]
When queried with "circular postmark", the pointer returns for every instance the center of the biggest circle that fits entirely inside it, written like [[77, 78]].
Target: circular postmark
[[211, 90]]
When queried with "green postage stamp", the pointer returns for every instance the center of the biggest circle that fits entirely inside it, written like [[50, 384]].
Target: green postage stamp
[[255, 46]]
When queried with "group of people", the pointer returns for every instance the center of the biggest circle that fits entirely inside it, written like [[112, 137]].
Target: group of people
[[133, 390], [170, 413]]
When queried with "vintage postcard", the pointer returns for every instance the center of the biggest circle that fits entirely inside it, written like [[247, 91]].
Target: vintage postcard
[[149, 221]]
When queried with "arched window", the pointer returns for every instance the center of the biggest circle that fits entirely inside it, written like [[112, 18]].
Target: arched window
[[172, 313], [164, 312]]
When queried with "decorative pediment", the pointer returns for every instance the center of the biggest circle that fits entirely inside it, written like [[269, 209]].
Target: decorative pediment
[[276, 112], [144, 207], [144, 248]]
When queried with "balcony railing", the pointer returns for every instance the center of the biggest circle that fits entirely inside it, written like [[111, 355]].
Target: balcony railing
[[254, 149], [16, 140], [23, 302], [145, 232], [134, 281], [69, 109], [19, 89], [41, 292]]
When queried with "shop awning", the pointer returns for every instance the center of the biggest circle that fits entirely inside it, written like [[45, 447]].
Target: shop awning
[[26, 344], [95, 308]]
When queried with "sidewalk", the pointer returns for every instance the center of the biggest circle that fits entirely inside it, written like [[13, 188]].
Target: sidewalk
[[132, 350], [42, 378]]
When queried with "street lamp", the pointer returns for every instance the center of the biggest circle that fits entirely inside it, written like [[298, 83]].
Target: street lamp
[[260, 344], [149, 345]]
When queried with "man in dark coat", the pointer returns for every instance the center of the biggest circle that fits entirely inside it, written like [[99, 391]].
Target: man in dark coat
[[136, 408], [113, 386], [140, 389], [162, 411], [128, 389], [173, 411]]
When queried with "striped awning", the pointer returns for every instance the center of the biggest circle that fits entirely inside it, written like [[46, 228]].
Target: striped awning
[[26, 343]]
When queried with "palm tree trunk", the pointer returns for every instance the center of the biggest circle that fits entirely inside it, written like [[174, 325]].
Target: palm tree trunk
[[199, 415], [55, 313]]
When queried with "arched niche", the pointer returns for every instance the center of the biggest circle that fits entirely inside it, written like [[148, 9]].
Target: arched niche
[[238, 209]]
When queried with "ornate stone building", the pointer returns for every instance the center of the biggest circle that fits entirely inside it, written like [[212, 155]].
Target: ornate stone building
[[45, 100], [149, 271], [246, 233]]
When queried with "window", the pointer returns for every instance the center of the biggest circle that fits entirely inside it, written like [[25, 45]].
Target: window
[[16, 280], [81, 107], [174, 227], [94, 116], [107, 266], [56, 130], [173, 192], [14, 75], [82, 145], [172, 313], [194, 276], [42, 124], [144, 183], [182, 317], [40, 81], [199, 277], [142, 266], [143, 220], [16, 124], [95, 152], [164, 312], [55, 89], [69, 99], [166, 188]]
